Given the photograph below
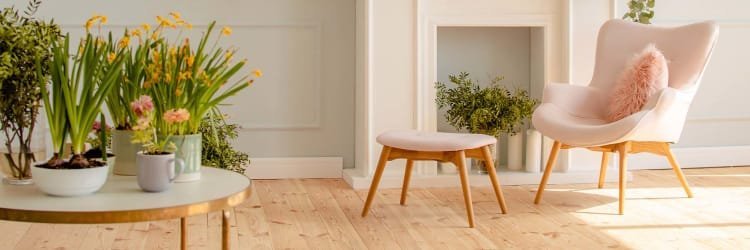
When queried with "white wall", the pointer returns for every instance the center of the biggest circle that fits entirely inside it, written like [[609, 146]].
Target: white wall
[[715, 133], [303, 106]]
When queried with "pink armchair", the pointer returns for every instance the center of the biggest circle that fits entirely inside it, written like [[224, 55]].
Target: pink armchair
[[574, 115]]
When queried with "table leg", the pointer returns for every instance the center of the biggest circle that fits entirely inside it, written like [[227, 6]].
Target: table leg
[[225, 230], [183, 233]]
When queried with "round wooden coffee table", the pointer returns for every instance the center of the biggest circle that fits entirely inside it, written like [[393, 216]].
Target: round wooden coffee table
[[121, 200]]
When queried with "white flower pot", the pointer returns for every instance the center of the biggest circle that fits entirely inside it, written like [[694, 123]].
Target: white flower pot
[[533, 151], [157, 172], [515, 151], [125, 152], [69, 182]]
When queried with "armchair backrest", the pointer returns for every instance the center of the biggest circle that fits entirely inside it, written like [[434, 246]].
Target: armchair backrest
[[687, 48]]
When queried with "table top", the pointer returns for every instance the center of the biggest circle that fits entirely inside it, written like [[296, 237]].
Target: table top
[[121, 200]]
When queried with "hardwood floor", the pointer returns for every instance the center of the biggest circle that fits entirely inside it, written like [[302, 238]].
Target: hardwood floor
[[325, 214]]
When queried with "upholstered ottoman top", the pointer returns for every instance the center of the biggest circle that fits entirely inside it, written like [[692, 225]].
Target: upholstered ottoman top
[[433, 141]]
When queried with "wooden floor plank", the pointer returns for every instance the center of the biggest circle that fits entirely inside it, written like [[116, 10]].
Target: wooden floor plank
[[325, 214], [252, 225], [371, 229]]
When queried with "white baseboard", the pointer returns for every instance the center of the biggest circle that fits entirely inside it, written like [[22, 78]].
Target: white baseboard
[[295, 167], [695, 157], [357, 181]]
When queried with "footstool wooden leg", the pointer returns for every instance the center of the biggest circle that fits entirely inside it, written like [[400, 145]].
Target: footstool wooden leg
[[488, 161], [183, 233], [407, 178], [376, 179], [225, 214], [463, 171]]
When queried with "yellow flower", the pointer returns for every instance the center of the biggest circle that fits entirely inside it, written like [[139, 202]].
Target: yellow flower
[[146, 27], [172, 51], [176, 15], [155, 35], [257, 73], [89, 24], [103, 20], [188, 25], [111, 57], [178, 92], [124, 42], [190, 60], [167, 78], [183, 76], [164, 22], [226, 31], [135, 32]]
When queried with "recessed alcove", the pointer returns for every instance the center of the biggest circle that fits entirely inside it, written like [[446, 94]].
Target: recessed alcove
[[515, 53]]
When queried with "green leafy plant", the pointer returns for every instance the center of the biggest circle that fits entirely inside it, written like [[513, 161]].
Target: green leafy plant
[[491, 110], [130, 86], [217, 148], [640, 11], [77, 94], [179, 76], [24, 58]]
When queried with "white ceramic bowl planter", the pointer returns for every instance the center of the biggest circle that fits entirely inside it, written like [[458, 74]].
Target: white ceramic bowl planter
[[69, 182]]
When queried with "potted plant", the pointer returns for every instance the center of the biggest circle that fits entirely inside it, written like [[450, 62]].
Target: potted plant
[[99, 139], [217, 148], [156, 162], [492, 110], [640, 11], [130, 88], [72, 104], [179, 76], [24, 57]]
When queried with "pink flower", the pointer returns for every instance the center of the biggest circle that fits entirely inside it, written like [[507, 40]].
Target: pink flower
[[176, 115], [142, 105], [97, 126]]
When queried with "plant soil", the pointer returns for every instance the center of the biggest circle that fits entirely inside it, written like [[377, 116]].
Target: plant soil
[[75, 162], [95, 153]]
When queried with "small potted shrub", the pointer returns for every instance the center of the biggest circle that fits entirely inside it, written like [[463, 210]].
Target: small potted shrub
[[79, 83], [24, 58], [217, 147], [492, 110], [156, 162]]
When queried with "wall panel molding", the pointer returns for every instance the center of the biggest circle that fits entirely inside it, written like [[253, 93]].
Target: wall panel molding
[[315, 27]]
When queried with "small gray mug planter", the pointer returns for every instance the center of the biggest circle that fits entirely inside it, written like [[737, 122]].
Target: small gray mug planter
[[157, 172]]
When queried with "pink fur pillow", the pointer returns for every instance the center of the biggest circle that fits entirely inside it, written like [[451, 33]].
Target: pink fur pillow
[[643, 76]]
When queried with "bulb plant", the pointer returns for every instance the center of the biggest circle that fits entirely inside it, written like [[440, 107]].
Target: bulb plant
[[185, 79], [79, 87], [130, 86]]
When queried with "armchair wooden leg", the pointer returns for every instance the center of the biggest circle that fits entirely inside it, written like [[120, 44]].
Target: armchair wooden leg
[[463, 171], [376, 179], [487, 155], [623, 149], [547, 170], [678, 171], [407, 178], [603, 169]]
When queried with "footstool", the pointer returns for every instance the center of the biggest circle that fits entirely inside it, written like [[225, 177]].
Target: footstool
[[435, 146]]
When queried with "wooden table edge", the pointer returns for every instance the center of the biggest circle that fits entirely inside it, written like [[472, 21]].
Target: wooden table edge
[[125, 216]]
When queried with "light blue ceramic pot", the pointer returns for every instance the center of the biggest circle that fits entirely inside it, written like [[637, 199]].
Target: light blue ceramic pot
[[189, 150]]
